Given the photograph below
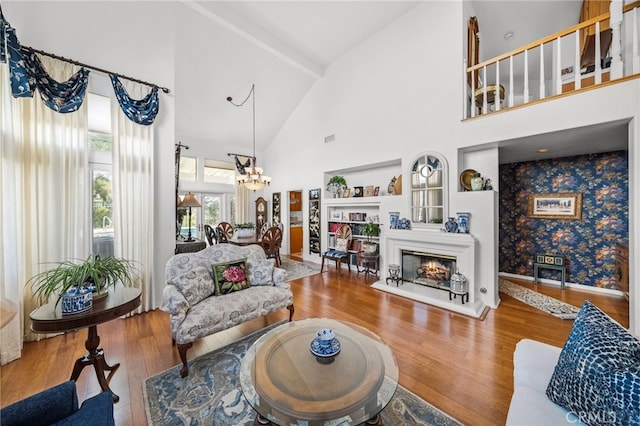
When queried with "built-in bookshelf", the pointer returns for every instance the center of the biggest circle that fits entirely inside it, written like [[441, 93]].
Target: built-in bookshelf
[[355, 215]]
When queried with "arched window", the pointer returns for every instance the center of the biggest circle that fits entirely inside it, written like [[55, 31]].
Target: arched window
[[428, 189]]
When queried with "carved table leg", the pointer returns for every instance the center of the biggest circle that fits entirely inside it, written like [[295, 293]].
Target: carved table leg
[[95, 357]]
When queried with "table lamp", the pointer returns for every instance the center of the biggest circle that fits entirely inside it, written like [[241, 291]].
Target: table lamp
[[189, 201]]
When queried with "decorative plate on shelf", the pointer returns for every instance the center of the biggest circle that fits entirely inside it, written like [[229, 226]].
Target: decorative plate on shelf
[[465, 178]]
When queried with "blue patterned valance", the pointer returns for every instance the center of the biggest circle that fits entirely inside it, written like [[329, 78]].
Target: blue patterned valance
[[28, 74], [141, 111]]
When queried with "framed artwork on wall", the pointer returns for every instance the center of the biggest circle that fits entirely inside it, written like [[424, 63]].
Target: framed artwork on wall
[[559, 205], [314, 221], [275, 205]]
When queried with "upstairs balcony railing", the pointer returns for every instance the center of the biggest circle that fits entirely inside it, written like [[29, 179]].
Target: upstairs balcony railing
[[557, 65]]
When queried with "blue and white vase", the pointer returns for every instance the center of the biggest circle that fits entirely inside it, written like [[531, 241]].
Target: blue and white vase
[[393, 219], [463, 222], [451, 225]]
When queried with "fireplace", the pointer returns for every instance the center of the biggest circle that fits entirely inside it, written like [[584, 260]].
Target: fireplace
[[428, 269], [429, 283]]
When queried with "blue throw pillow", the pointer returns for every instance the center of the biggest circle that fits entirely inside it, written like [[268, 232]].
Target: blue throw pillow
[[597, 377]]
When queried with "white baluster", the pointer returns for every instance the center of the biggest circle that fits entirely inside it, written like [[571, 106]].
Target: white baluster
[[465, 101], [636, 57], [597, 72], [576, 66], [473, 94], [615, 21], [511, 81], [496, 98], [526, 76], [542, 85], [558, 68], [484, 89]]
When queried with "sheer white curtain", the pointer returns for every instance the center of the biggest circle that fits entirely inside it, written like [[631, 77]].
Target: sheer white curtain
[[133, 191], [242, 204], [44, 194]]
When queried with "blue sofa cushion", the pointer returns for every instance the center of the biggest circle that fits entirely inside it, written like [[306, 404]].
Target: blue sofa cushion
[[95, 411], [335, 254], [44, 408], [59, 406], [597, 377]]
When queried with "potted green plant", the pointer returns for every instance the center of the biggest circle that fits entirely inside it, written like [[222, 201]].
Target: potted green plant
[[370, 229], [244, 229], [95, 272], [335, 185]]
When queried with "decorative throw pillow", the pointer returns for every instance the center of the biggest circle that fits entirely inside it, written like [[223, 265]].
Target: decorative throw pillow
[[195, 285], [341, 244], [260, 271], [597, 377], [230, 276]]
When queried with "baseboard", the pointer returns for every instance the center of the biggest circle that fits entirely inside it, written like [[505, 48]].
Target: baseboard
[[577, 286]]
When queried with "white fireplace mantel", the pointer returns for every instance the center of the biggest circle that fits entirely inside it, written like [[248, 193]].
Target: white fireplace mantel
[[460, 246]]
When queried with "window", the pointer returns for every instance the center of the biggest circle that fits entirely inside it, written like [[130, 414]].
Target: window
[[428, 189], [219, 172], [187, 169], [100, 146]]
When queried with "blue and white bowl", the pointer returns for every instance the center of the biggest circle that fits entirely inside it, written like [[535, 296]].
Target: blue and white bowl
[[325, 349]]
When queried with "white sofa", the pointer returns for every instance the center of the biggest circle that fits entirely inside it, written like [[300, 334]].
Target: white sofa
[[195, 312], [533, 366]]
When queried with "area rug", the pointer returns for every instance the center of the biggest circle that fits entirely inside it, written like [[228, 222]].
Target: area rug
[[211, 394], [543, 302], [297, 269]]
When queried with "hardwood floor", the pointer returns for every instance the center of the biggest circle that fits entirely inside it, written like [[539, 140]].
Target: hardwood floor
[[459, 364]]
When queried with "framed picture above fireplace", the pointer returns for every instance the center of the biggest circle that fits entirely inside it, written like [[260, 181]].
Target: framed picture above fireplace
[[559, 205]]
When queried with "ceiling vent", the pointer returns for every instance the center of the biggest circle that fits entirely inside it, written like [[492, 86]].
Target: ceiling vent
[[329, 138]]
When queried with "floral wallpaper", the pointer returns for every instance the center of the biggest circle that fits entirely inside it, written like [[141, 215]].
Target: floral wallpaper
[[588, 244]]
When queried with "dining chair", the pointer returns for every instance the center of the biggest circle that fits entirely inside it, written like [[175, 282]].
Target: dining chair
[[210, 233], [225, 232], [271, 242], [340, 252], [264, 228]]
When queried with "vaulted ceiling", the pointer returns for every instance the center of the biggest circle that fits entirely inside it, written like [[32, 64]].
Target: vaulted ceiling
[[284, 47]]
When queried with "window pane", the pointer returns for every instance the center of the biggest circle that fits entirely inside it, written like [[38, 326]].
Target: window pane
[[99, 113], [427, 190], [99, 141], [102, 213], [187, 169], [211, 205], [219, 172]]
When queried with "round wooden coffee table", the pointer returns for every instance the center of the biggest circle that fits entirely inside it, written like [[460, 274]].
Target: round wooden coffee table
[[286, 384]]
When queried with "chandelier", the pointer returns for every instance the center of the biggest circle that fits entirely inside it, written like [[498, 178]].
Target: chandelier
[[250, 174]]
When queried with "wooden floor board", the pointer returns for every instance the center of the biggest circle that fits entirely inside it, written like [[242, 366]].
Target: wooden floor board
[[462, 365]]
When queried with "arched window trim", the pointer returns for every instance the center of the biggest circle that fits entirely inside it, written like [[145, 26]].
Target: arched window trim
[[445, 189]]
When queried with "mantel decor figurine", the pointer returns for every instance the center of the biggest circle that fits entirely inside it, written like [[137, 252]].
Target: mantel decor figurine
[[463, 222], [451, 225]]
